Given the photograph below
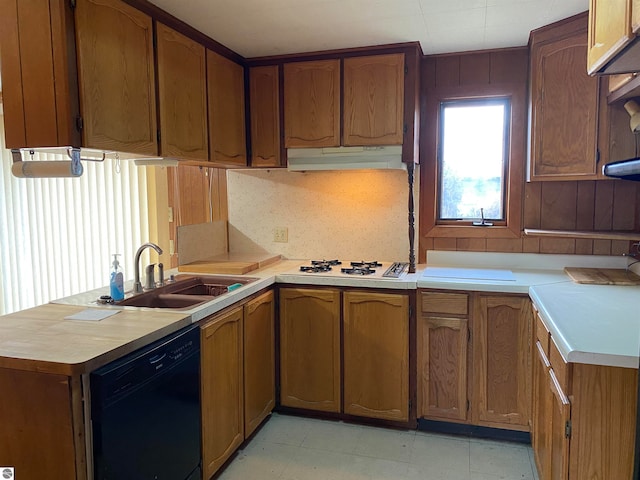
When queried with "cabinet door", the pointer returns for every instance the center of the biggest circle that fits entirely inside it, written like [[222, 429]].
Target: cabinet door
[[374, 100], [609, 31], [564, 111], [376, 355], [265, 116], [225, 82], [541, 425], [603, 421], [117, 77], [182, 95], [312, 104], [259, 361], [39, 77], [560, 415], [502, 361], [310, 349], [222, 389], [36, 414], [442, 367]]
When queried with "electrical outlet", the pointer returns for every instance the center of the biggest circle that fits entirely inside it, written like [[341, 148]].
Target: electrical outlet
[[281, 234]]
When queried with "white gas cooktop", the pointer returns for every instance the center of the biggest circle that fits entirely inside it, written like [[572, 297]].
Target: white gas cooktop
[[357, 269]]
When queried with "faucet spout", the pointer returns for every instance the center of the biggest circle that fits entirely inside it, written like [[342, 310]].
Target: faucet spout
[[137, 286]]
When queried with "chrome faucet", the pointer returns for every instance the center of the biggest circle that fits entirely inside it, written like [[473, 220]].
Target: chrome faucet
[[137, 286]]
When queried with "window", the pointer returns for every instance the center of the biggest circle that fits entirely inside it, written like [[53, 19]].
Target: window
[[472, 160], [57, 234]]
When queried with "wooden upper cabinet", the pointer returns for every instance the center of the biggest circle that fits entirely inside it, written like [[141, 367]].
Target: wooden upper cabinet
[[564, 110], [225, 83], [265, 116], [610, 30], [117, 77], [39, 77], [502, 361], [182, 95], [312, 104], [373, 100], [376, 355]]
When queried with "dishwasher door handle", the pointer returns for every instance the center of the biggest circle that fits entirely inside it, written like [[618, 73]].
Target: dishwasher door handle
[[157, 358]]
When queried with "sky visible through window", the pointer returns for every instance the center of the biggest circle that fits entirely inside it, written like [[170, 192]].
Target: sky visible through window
[[472, 160]]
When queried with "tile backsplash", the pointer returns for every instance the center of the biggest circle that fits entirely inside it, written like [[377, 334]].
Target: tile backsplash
[[358, 215]]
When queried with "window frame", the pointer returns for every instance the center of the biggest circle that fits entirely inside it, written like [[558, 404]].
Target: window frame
[[516, 158], [506, 127]]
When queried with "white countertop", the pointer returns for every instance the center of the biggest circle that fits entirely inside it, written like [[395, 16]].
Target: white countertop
[[591, 324], [595, 324]]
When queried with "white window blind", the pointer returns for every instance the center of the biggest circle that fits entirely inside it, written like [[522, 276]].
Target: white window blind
[[57, 235]]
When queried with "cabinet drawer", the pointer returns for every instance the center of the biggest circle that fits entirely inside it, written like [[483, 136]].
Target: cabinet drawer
[[542, 334], [561, 368], [450, 303]]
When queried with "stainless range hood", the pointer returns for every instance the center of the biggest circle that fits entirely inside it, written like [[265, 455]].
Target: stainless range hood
[[624, 169], [345, 158]]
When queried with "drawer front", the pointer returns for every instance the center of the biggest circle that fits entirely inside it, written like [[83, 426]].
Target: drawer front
[[447, 303], [561, 368], [542, 334]]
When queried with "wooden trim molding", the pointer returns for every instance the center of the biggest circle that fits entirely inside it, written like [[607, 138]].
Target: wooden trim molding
[[595, 235]]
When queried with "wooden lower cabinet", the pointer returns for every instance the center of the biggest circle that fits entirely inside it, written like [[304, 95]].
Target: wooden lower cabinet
[[442, 363], [484, 382], [443, 344], [259, 361], [603, 421], [559, 417], [541, 419], [221, 389], [41, 425], [501, 338], [310, 348], [583, 418], [376, 355]]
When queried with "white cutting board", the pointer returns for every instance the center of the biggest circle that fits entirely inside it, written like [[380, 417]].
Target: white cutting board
[[470, 273]]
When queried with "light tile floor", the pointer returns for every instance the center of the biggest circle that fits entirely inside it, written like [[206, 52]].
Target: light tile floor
[[296, 448]]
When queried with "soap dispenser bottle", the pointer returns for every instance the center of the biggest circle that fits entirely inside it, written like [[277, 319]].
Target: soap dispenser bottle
[[116, 283]]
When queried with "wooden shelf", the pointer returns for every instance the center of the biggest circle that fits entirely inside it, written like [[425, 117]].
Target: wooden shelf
[[625, 92], [630, 236]]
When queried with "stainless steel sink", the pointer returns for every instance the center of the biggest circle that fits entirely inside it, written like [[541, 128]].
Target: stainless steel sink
[[188, 291]]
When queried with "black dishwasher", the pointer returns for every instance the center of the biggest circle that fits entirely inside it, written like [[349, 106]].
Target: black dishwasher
[[145, 412]]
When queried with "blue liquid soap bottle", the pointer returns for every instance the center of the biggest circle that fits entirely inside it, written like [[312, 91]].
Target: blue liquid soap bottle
[[116, 283]]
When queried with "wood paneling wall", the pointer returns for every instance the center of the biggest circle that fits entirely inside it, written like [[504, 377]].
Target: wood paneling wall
[[197, 195], [604, 205]]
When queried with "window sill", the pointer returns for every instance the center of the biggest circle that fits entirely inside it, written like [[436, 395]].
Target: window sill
[[469, 231]]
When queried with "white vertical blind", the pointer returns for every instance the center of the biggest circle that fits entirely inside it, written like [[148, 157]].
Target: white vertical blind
[[57, 235]]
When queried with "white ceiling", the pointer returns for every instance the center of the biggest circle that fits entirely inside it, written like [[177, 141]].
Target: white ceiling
[[255, 28]]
